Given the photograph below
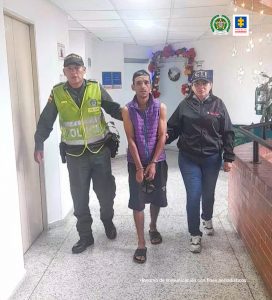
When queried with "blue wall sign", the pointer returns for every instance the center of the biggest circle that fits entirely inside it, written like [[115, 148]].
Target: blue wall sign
[[112, 80]]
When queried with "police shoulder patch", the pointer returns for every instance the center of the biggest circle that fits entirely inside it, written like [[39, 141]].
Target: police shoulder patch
[[51, 97], [92, 81]]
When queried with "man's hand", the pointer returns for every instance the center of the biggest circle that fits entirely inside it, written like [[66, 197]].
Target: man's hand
[[150, 171], [140, 175], [227, 166], [38, 156]]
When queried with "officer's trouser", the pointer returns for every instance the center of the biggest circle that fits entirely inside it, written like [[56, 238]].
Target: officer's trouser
[[83, 169]]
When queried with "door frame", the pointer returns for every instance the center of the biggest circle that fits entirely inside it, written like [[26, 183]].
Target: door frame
[[36, 105]]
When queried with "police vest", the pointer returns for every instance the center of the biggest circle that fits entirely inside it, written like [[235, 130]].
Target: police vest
[[84, 125]]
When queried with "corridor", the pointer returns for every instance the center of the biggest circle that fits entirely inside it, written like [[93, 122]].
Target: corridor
[[105, 270]]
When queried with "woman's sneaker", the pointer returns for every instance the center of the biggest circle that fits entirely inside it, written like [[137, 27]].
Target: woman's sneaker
[[208, 227], [195, 244]]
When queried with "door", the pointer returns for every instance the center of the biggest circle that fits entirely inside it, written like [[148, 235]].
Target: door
[[24, 123]]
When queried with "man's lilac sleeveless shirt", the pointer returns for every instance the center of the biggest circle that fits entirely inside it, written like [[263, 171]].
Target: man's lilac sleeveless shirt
[[145, 124]]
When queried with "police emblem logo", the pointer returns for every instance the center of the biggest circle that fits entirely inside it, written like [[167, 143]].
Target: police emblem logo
[[93, 102], [240, 25], [220, 24]]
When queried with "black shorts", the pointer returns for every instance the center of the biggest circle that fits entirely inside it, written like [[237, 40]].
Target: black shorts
[[148, 191]]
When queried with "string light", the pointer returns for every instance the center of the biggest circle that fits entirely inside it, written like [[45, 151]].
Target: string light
[[252, 7], [262, 9], [234, 51], [240, 73], [234, 6], [269, 38]]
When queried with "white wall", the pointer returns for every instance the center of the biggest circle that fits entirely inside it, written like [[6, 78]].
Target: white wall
[[50, 28], [11, 253], [77, 42], [89, 54], [81, 43], [133, 51], [217, 55], [110, 57]]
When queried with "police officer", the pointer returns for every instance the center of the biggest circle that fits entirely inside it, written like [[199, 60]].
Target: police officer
[[79, 103]]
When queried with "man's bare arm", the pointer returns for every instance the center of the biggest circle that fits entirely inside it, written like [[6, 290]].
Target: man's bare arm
[[132, 145], [162, 129]]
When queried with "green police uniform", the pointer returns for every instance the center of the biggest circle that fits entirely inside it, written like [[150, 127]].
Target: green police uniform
[[83, 129]]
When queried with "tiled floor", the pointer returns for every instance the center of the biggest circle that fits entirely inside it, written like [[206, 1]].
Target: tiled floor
[[223, 270]]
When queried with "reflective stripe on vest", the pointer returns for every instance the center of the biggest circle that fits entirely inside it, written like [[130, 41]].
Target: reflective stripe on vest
[[84, 125]]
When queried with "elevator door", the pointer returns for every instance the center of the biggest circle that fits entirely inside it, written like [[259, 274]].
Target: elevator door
[[24, 123]]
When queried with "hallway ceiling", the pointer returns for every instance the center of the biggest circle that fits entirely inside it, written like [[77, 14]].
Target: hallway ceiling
[[150, 22]]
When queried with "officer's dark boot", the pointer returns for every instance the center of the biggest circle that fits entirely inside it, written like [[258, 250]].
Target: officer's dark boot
[[83, 243], [110, 229], [84, 228]]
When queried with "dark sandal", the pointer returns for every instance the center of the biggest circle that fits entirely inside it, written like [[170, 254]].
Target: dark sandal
[[140, 253], [155, 237]]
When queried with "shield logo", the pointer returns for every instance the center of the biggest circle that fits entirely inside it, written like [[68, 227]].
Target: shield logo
[[220, 24], [93, 102]]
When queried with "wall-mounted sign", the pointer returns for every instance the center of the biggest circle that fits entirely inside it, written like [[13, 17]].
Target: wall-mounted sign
[[89, 62], [112, 80], [61, 50]]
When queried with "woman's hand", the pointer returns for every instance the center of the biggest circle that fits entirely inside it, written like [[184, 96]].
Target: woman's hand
[[227, 166]]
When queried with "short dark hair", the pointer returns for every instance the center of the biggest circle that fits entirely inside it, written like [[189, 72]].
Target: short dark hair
[[140, 73]]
